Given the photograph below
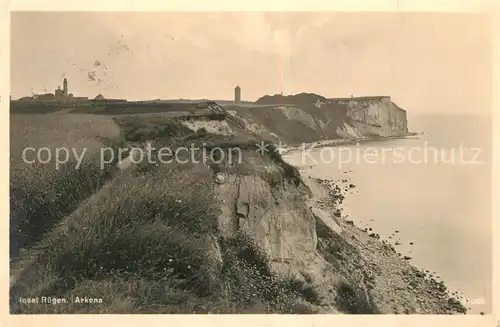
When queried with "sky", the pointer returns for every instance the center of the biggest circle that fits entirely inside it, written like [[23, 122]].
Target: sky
[[427, 62]]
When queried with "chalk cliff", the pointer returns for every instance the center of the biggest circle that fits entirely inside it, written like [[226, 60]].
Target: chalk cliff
[[309, 117], [374, 117]]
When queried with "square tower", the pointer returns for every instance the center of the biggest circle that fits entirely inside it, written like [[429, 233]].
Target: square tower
[[237, 94]]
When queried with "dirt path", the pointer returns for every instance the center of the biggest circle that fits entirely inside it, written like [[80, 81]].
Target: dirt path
[[26, 257]]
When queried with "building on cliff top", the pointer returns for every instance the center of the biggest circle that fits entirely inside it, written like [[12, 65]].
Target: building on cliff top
[[58, 95]]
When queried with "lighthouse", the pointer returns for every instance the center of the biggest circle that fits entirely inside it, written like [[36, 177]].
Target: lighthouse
[[65, 87]]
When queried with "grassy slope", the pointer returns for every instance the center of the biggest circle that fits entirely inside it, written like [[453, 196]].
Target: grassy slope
[[145, 241], [41, 195]]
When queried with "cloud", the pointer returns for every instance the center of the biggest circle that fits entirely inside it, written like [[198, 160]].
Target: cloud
[[248, 31], [271, 33]]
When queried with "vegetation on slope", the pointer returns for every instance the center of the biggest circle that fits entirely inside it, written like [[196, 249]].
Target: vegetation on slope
[[301, 98], [41, 194], [147, 242]]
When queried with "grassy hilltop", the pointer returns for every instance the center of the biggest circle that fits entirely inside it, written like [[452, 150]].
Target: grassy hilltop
[[142, 238]]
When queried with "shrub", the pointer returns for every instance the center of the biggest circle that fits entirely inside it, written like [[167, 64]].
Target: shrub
[[247, 276], [352, 300], [140, 129]]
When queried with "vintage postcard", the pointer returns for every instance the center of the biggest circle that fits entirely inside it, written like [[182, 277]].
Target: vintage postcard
[[326, 163]]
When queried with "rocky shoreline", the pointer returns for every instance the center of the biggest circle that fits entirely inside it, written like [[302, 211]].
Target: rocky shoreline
[[391, 282]]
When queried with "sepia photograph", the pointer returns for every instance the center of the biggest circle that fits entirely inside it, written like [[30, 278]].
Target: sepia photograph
[[251, 163]]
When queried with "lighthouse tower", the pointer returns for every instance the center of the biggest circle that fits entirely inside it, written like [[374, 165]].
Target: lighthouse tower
[[65, 87], [237, 94]]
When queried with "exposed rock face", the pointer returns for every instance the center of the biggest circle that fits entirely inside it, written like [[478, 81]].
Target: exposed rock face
[[310, 117], [380, 117], [277, 219], [209, 126], [281, 222], [326, 218]]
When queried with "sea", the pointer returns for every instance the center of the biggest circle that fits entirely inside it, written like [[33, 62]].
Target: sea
[[431, 194]]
